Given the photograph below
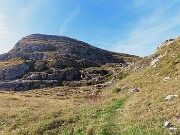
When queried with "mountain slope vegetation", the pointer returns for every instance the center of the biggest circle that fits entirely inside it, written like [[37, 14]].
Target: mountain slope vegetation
[[134, 105]]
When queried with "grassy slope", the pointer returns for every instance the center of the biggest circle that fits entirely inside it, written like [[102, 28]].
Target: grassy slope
[[146, 112], [35, 112], [20, 115]]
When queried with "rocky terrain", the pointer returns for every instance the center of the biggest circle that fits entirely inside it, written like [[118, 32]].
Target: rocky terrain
[[39, 61], [134, 97]]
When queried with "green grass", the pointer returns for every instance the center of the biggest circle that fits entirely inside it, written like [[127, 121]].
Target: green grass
[[144, 113], [121, 76], [99, 120]]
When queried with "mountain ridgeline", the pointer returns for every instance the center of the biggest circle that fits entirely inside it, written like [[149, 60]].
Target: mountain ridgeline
[[39, 61], [37, 47]]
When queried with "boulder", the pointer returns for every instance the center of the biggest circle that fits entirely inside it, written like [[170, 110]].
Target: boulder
[[170, 97], [167, 124], [166, 79], [34, 76], [135, 90], [15, 71]]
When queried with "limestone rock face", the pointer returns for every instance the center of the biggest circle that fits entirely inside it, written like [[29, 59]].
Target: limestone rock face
[[14, 72], [20, 85], [38, 47], [48, 60], [166, 43]]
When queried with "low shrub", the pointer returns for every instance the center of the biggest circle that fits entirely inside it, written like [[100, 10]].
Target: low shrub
[[121, 76], [116, 90]]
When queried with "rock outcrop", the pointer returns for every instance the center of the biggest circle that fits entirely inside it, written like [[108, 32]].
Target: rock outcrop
[[38, 61], [66, 51], [166, 43]]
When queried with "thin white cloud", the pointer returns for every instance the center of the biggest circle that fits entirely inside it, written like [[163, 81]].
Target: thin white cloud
[[75, 13], [4, 31], [29, 10], [5, 34], [10, 32], [149, 30], [139, 3]]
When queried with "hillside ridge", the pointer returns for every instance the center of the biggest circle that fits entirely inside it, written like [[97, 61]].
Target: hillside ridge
[[45, 60]]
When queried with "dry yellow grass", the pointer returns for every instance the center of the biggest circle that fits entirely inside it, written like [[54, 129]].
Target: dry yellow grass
[[148, 110], [64, 110], [9, 63], [20, 113]]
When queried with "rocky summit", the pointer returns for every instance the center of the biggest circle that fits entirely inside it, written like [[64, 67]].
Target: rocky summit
[[39, 61]]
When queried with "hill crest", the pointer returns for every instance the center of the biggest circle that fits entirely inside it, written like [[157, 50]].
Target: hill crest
[[49, 60]]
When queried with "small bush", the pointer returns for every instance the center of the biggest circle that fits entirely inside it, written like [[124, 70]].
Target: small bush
[[72, 84], [122, 76], [155, 55], [116, 90]]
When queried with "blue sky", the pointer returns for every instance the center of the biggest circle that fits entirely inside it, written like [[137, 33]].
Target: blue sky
[[128, 26]]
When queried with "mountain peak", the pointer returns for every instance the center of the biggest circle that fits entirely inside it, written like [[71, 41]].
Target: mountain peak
[[42, 58], [40, 46]]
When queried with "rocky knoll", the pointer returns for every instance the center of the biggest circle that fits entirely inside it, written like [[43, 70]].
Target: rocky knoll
[[38, 61]]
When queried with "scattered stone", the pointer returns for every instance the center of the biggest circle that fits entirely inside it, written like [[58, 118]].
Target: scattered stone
[[125, 88], [166, 43], [154, 61], [170, 97], [100, 86], [166, 79], [135, 90], [173, 130], [167, 124], [178, 119], [96, 92], [109, 83], [34, 76], [53, 96]]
